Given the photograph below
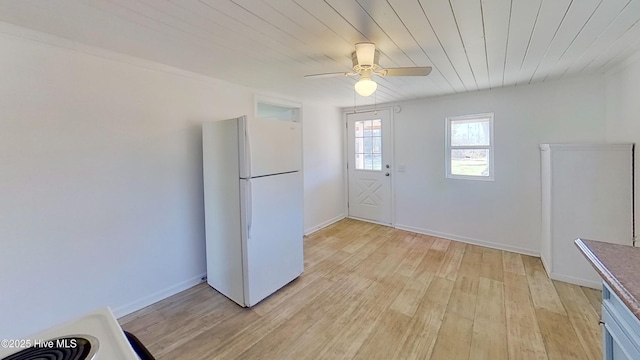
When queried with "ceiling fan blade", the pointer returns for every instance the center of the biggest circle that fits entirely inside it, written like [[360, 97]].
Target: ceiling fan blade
[[326, 75], [407, 71], [366, 53]]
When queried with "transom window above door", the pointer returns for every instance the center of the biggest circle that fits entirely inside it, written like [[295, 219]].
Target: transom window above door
[[368, 145]]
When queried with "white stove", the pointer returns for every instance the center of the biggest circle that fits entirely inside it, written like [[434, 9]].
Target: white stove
[[95, 336]]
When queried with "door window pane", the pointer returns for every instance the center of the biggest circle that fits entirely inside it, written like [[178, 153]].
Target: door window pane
[[377, 145], [359, 161], [367, 149], [359, 129], [377, 162], [368, 145]]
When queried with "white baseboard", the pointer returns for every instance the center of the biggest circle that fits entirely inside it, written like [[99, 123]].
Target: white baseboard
[[547, 267], [370, 221], [576, 281], [155, 297], [324, 224], [472, 241]]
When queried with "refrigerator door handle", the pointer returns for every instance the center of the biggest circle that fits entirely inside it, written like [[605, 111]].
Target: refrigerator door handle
[[249, 209]]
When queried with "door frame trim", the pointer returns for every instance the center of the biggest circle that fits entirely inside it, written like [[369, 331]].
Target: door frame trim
[[345, 151]]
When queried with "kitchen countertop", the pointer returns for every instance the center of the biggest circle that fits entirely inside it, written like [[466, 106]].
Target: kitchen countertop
[[619, 267]]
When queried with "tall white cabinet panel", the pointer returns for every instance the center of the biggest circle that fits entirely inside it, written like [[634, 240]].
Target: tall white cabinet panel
[[586, 193]]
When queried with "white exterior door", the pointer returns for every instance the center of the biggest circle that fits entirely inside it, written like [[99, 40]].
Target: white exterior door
[[369, 165]]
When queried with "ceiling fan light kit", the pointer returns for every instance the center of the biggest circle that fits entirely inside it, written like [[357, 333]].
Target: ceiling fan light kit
[[365, 63], [366, 87]]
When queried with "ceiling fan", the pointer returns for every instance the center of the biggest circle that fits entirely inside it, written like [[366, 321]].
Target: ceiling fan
[[365, 64]]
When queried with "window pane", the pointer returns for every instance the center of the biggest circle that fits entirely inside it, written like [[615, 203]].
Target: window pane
[[376, 127], [471, 162], [359, 161], [470, 132], [377, 162], [377, 145], [359, 128], [367, 145], [368, 162], [367, 128], [359, 145]]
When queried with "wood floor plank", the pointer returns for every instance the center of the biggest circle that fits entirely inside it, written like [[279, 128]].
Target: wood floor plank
[[352, 335], [463, 299], [392, 259], [440, 244], [471, 261], [512, 262], [454, 338], [595, 298], [433, 260], [491, 264], [559, 336], [524, 340], [543, 293], [248, 336], [583, 318], [335, 316], [489, 340], [423, 330], [409, 298], [278, 342], [346, 268], [452, 259], [375, 292], [389, 331], [413, 259]]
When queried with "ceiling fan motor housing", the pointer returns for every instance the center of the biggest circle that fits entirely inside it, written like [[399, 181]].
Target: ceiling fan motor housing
[[362, 64]]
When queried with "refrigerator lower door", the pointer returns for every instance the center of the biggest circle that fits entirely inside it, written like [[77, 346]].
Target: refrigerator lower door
[[272, 234]]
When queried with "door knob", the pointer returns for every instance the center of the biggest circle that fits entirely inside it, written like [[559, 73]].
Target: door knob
[[387, 174]]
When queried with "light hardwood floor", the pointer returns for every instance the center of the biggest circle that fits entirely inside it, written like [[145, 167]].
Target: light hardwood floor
[[374, 292]]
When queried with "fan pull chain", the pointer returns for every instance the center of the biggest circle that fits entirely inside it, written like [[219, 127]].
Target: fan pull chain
[[354, 101], [375, 103]]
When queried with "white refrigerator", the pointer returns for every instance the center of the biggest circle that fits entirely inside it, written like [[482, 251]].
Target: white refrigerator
[[253, 206]]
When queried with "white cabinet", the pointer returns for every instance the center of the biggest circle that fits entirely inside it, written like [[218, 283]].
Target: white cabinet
[[621, 329], [586, 193]]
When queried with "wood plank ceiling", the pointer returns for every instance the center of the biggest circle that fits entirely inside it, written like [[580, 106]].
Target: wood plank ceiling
[[271, 44]]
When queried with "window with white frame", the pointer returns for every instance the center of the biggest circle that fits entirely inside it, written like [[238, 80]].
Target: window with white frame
[[469, 142]]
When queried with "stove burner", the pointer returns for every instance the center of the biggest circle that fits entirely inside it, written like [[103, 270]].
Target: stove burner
[[64, 348]]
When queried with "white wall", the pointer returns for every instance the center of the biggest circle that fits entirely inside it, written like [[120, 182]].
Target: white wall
[[101, 181], [504, 213], [323, 166], [623, 114]]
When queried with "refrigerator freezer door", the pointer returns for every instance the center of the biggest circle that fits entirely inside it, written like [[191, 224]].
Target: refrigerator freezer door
[[272, 234], [269, 147]]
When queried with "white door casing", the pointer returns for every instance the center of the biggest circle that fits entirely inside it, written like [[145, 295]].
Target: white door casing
[[369, 165]]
